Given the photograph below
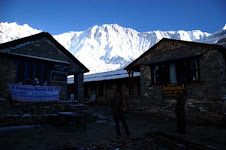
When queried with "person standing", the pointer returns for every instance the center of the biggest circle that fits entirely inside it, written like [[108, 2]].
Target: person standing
[[119, 106], [180, 113]]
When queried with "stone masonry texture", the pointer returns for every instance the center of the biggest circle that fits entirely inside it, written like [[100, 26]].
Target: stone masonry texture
[[204, 98]]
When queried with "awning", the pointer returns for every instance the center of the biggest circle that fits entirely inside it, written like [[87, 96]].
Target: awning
[[40, 58], [174, 59]]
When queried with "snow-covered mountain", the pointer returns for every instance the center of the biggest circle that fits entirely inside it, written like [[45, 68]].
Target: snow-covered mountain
[[216, 36], [12, 31], [110, 46]]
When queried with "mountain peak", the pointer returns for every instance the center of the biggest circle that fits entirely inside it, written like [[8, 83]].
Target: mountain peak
[[112, 25], [224, 28], [13, 31], [109, 46]]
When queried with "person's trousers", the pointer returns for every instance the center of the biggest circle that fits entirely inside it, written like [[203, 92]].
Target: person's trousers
[[181, 124], [121, 118]]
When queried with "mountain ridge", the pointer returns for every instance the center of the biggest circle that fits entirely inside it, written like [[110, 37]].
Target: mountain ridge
[[109, 46]]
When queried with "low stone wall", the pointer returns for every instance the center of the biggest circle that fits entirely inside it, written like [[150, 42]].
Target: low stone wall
[[197, 111], [25, 113], [26, 119], [208, 111], [42, 107]]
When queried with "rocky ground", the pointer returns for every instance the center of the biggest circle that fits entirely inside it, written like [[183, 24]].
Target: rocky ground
[[148, 132]]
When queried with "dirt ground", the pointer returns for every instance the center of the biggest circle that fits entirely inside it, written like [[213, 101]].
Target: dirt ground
[[147, 131]]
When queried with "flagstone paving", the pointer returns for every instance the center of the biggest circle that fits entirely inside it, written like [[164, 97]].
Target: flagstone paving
[[148, 132]]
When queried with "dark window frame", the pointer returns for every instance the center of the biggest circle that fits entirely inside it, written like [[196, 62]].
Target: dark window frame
[[157, 73], [109, 85], [101, 89], [26, 72], [188, 71], [86, 90]]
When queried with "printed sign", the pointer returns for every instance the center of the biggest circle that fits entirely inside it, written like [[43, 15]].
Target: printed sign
[[60, 67], [27, 93], [58, 76], [171, 90]]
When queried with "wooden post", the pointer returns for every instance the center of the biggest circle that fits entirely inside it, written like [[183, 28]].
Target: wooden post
[[129, 72], [75, 86], [132, 83]]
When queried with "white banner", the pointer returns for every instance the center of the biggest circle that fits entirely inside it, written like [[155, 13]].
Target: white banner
[[28, 93]]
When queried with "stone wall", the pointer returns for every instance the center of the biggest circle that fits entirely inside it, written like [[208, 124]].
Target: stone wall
[[212, 69], [22, 113], [108, 92], [197, 111], [41, 48], [204, 98], [7, 75], [208, 111], [41, 107], [27, 119]]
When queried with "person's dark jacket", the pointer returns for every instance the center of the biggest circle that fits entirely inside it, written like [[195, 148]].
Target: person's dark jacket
[[116, 104]]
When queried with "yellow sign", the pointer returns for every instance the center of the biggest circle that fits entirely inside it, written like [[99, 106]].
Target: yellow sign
[[171, 90]]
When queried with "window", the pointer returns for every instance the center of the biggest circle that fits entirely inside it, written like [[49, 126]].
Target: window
[[29, 73], [160, 74], [156, 75], [38, 74], [86, 89], [46, 75], [164, 73], [109, 85], [32, 73], [20, 73], [194, 70], [187, 71], [94, 87], [183, 71], [119, 86], [101, 90]]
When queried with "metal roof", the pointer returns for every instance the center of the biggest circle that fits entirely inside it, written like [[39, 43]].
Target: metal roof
[[111, 75]]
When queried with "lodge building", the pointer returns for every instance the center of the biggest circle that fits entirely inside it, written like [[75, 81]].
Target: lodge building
[[198, 69], [35, 69], [102, 86]]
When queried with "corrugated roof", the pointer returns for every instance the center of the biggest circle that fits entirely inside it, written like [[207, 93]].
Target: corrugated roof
[[111, 75]]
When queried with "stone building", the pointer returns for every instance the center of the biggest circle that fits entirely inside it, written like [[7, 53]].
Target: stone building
[[35, 69], [103, 85], [172, 65]]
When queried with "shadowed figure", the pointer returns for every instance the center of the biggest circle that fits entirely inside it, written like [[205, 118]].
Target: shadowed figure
[[119, 106], [180, 113]]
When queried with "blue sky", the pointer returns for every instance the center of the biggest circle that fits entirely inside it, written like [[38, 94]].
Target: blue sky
[[59, 16]]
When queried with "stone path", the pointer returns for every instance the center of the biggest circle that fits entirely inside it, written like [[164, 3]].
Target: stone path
[[147, 133]]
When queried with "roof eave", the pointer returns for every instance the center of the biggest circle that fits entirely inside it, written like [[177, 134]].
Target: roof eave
[[50, 37]]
